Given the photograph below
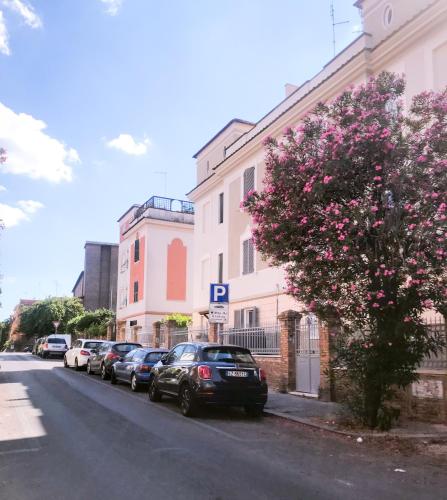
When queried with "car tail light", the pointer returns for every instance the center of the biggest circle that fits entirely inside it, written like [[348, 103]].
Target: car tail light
[[262, 375], [205, 372], [144, 368], [84, 353], [112, 355]]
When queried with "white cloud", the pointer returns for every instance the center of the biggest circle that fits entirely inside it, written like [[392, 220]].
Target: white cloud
[[112, 6], [127, 144], [25, 11], [2, 188], [11, 216], [32, 152], [4, 45], [29, 206]]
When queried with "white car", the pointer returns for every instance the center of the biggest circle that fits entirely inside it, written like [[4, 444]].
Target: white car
[[79, 352]]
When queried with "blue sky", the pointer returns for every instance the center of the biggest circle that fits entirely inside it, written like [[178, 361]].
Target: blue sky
[[96, 96]]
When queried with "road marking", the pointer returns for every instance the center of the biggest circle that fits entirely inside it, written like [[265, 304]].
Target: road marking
[[20, 450], [345, 483]]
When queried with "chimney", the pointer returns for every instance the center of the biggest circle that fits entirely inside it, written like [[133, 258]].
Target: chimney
[[290, 89]]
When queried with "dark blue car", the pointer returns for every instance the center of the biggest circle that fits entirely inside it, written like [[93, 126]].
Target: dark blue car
[[135, 368]]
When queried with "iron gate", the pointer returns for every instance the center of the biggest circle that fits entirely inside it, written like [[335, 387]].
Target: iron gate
[[307, 344]]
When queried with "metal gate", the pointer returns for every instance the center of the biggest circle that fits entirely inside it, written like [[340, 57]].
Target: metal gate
[[307, 343]]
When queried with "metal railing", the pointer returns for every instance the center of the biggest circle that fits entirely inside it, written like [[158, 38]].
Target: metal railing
[[259, 339], [439, 362], [170, 338], [162, 203]]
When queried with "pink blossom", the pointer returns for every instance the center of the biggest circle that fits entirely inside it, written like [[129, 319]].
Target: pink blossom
[[327, 179], [377, 178], [391, 302], [376, 305], [407, 319], [378, 168]]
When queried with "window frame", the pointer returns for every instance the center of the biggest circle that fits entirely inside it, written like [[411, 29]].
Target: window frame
[[135, 291], [248, 245], [136, 250], [220, 214]]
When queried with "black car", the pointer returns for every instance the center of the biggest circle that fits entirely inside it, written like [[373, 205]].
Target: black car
[[102, 359], [136, 367], [203, 373]]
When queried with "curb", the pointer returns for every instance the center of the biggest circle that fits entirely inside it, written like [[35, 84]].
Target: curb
[[355, 434]]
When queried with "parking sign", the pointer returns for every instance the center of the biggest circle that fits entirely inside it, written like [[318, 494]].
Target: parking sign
[[219, 292]]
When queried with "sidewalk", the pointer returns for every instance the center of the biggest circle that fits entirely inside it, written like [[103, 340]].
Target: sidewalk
[[322, 415]]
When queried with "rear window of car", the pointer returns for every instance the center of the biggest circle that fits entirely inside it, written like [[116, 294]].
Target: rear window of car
[[153, 357], [56, 341], [92, 345], [227, 355], [126, 347]]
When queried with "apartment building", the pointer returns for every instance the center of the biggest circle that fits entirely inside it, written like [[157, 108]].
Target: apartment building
[[154, 265], [96, 284], [404, 36]]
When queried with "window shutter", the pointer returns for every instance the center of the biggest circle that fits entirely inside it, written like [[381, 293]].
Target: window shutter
[[237, 318], [245, 257], [248, 260], [255, 316], [249, 180], [251, 263]]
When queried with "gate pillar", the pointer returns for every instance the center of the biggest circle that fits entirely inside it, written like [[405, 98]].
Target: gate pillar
[[328, 330], [288, 320]]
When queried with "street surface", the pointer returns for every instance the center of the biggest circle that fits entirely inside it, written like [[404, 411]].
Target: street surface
[[66, 435]]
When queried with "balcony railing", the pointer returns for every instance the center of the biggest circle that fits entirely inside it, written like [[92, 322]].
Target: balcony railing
[[169, 204]]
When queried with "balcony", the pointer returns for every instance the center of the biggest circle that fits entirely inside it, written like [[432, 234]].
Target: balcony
[[159, 207]]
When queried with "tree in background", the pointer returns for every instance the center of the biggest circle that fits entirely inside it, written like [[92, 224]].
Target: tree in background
[[180, 320], [92, 324], [37, 320], [354, 206], [5, 327]]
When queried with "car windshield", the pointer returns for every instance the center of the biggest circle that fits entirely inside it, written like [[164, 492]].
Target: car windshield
[[227, 355], [56, 341], [126, 347], [92, 345]]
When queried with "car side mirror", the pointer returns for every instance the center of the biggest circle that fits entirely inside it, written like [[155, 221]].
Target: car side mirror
[[121, 359], [164, 358]]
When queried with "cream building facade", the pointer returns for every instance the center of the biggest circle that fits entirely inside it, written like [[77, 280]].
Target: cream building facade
[[404, 36]]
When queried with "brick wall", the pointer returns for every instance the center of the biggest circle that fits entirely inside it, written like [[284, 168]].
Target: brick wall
[[274, 369]]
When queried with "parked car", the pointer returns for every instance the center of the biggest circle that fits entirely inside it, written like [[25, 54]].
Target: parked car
[[108, 353], [37, 344], [79, 352], [136, 367], [52, 346], [199, 373]]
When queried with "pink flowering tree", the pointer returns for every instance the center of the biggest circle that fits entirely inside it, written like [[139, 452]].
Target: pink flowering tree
[[354, 207]]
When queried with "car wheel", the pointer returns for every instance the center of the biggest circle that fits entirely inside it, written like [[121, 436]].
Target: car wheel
[[188, 406], [134, 385], [77, 368], [113, 379], [104, 374], [65, 362], [89, 368], [254, 410], [154, 393]]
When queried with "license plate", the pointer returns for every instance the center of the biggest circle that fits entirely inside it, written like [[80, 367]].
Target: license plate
[[233, 373]]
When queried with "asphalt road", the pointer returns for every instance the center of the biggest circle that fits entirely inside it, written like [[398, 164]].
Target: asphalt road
[[67, 435]]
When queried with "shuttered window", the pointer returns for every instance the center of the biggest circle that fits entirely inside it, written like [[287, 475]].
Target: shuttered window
[[246, 318], [136, 255], [221, 208], [135, 291], [248, 257], [220, 268], [249, 180]]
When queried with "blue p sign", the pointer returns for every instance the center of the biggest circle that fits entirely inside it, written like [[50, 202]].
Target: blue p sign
[[219, 292]]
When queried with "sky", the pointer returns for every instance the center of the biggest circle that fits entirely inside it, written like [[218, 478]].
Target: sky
[[103, 103]]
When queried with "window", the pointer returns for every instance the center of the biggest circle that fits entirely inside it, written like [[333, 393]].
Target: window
[[189, 353], [136, 253], [175, 354], [248, 260], [135, 291], [153, 357], [220, 268], [249, 180], [246, 318], [221, 208], [227, 355]]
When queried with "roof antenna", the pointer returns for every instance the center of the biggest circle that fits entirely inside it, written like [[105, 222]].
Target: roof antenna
[[335, 24]]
